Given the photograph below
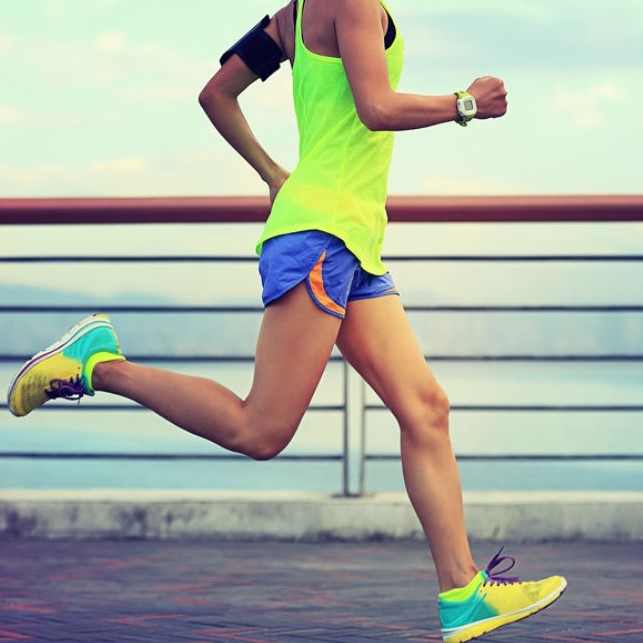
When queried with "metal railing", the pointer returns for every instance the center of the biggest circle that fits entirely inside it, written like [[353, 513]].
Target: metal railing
[[354, 455]]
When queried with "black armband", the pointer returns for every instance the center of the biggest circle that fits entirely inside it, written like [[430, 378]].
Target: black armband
[[257, 50]]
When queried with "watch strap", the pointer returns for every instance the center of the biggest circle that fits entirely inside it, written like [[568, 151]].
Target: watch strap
[[463, 120]]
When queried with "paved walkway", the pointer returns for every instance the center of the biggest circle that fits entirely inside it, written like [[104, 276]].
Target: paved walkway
[[154, 591]]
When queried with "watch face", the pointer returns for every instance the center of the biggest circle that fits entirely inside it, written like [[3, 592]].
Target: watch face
[[468, 104]]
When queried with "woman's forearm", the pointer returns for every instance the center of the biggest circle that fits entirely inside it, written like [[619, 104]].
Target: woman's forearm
[[225, 114], [397, 111]]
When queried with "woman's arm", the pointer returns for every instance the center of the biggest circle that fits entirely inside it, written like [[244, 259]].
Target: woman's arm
[[219, 100], [359, 38]]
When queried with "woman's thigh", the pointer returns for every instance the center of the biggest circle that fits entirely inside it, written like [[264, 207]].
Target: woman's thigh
[[294, 345], [378, 341]]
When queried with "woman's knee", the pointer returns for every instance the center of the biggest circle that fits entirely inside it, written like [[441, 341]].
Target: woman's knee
[[265, 441], [427, 415], [262, 449]]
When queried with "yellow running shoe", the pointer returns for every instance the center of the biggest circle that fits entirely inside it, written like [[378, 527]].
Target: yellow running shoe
[[491, 600], [64, 369]]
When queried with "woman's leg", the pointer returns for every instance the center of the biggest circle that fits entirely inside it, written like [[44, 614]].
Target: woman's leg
[[294, 345], [378, 341]]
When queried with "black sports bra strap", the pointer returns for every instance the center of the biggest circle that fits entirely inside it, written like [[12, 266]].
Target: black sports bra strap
[[389, 37]]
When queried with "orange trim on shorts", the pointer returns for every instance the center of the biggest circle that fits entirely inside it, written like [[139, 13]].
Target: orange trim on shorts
[[316, 282]]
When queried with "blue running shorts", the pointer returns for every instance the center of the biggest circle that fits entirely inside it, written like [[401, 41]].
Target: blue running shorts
[[332, 273]]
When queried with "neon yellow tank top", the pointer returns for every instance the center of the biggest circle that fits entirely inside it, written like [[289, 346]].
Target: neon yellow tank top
[[340, 182]]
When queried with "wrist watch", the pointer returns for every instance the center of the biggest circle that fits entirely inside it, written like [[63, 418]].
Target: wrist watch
[[467, 108]]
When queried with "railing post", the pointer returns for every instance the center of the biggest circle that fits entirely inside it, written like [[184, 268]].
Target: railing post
[[362, 431], [353, 433]]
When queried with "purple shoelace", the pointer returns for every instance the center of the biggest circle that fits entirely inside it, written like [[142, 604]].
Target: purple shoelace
[[497, 578], [71, 389]]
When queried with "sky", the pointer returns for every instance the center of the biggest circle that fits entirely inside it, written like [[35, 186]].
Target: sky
[[99, 97]]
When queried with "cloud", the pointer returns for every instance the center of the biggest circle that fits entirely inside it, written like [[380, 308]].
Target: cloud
[[64, 178], [110, 41], [10, 115], [107, 59], [522, 34], [119, 166], [589, 108], [427, 41], [56, 6], [7, 41], [534, 11], [454, 186], [31, 176], [164, 94], [188, 171]]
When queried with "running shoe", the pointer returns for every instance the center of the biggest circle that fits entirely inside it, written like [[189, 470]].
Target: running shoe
[[492, 600], [64, 369]]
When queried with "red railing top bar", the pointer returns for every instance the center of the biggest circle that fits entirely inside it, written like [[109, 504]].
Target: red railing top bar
[[235, 209]]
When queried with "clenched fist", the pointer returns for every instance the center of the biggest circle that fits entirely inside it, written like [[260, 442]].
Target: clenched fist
[[490, 95]]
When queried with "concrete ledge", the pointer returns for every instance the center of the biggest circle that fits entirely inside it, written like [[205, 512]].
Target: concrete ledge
[[176, 515]]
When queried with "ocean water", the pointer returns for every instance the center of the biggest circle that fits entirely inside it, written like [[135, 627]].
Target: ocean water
[[304, 476], [73, 429]]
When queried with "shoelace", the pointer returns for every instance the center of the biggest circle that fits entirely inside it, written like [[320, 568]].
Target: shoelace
[[496, 577], [71, 389]]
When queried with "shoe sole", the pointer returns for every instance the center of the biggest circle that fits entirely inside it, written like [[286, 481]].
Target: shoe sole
[[489, 625], [77, 331]]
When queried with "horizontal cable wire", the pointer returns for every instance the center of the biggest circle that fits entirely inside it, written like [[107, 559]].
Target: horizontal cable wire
[[92, 408], [462, 408], [19, 455], [540, 457], [607, 308], [10, 358], [584, 258], [385, 457], [534, 408]]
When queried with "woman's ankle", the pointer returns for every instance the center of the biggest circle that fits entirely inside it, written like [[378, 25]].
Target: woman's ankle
[[103, 372], [457, 578]]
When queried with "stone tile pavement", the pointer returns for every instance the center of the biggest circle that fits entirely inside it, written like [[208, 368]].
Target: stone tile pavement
[[211, 591]]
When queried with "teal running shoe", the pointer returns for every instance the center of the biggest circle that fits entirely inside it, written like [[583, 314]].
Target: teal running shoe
[[491, 600], [64, 369]]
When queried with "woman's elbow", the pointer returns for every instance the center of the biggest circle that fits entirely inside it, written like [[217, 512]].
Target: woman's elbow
[[375, 117], [206, 96], [212, 93], [212, 102]]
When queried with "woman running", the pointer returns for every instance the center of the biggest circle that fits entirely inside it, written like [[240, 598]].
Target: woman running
[[324, 285]]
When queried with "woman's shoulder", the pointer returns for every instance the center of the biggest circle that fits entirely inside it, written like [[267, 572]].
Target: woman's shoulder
[[282, 28]]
